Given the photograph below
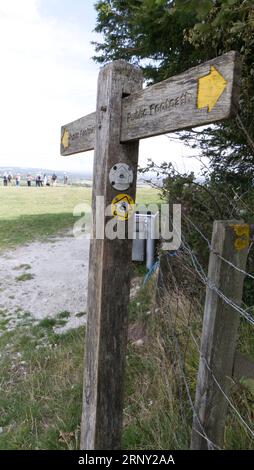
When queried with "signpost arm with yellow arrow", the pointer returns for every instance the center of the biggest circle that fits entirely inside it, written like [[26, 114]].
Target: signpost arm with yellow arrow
[[202, 95]]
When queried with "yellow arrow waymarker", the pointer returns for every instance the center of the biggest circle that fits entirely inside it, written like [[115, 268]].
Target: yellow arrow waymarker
[[65, 139], [122, 206], [210, 89]]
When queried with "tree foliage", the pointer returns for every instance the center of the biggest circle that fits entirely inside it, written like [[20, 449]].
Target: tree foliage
[[201, 204], [228, 25], [147, 33], [166, 37]]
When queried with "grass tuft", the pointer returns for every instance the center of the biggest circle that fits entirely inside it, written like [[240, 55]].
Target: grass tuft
[[63, 314], [47, 322], [80, 314], [22, 266], [24, 277]]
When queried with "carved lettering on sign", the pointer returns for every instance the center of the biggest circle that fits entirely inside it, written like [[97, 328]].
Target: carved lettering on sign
[[81, 133], [157, 108]]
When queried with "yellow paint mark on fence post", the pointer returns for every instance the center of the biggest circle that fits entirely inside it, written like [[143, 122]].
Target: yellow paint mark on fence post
[[242, 231]]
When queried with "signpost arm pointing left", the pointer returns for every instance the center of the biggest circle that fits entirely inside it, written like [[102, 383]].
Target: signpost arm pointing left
[[109, 270], [78, 136]]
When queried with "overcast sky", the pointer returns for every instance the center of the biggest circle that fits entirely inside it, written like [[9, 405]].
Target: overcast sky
[[48, 78]]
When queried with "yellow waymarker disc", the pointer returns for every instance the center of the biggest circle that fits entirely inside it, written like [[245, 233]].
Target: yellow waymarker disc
[[122, 206]]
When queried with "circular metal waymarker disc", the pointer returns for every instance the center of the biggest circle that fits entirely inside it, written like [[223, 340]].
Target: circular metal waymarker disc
[[121, 176]]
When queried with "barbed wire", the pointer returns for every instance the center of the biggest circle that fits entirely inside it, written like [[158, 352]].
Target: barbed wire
[[202, 357], [186, 256], [244, 313], [214, 252], [175, 336], [211, 445], [204, 278]]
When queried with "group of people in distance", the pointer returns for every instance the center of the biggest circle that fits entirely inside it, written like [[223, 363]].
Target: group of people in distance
[[40, 180], [8, 178]]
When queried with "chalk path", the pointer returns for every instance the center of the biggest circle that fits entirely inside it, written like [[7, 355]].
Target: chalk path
[[44, 279], [58, 269]]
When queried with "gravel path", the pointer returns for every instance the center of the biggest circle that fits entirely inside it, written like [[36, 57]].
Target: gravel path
[[45, 279]]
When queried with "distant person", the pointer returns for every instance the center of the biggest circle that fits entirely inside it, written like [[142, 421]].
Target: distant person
[[29, 180], [9, 179], [38, 181], [65, 179], [5, 179], [17, 179], [45, 180], [54, 179]]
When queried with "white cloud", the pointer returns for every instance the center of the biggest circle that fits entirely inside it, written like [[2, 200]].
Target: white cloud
[[161, 149], [25, 10], [47, 79]]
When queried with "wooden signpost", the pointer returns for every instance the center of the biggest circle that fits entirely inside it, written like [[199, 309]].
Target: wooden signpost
[[125, 114]]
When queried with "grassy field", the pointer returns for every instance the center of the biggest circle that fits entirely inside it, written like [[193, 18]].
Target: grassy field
[[42, 371], [41, 386], [30, 213], [42, 377]]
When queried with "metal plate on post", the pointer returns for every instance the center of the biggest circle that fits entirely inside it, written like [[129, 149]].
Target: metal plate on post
[[121, 176]]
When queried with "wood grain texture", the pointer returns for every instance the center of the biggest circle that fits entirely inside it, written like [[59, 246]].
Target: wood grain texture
[[165, 107], [218, 343], [109, 271]]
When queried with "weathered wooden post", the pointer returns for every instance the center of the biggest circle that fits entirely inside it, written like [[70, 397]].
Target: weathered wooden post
[[126, 113], [109, 273], [230, 243]]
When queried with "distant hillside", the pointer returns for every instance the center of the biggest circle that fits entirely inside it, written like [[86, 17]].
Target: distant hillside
[[75, 177]]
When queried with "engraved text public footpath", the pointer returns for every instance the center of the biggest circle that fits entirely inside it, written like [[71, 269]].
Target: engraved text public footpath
[[157, 108], [82, 133]]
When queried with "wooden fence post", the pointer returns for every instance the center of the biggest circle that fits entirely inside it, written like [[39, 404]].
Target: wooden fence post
[[230, 241], [109, 270]]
